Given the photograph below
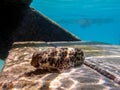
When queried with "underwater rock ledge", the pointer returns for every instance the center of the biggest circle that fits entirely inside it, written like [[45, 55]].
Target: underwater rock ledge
[[19, 74], [37, 27]]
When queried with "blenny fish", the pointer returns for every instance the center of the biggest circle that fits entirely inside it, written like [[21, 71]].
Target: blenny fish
[[57, 58]]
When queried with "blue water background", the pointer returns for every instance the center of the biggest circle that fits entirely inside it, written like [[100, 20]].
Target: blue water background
[[1, 64], [90, 20]]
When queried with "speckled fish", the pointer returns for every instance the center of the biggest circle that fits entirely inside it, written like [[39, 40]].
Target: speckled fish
[[57, 58]]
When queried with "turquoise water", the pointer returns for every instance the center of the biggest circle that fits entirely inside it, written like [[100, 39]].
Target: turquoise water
[[90, 20], [1, 64]]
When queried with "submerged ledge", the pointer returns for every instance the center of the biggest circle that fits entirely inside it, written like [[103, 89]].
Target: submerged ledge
[[19, 74]]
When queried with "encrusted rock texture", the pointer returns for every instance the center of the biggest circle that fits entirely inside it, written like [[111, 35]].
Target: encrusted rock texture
[[20, 22], [20, 75]]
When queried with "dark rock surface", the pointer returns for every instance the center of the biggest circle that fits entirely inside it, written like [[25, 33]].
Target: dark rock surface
[[10, 18], [37, 27], [16, 2], [19, 22], [19, 74]]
